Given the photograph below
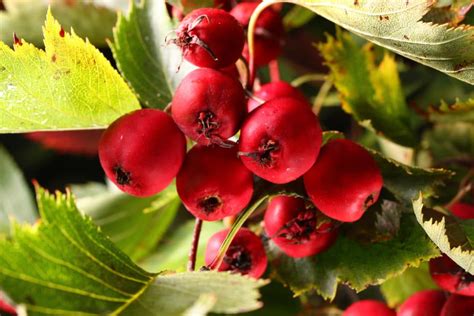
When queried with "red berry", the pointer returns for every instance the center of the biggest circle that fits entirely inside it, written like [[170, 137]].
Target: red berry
[[213, 183], [458, 305], [269, 32], [369, 308], [344, 181], [142, 152], [6, 308], [463, 210], [220, 4], [210, 38], [451, 277], [293, 227], [274, 90], [231, 71], [280, 140], [246, 254], [428, 302], [84, 142], [208, 106]]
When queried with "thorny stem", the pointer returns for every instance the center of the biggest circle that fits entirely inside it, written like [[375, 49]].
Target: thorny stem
[[194, 245], [464, 187], [322, 94]]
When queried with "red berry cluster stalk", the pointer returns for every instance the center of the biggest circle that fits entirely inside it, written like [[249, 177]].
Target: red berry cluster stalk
[[280, 141]]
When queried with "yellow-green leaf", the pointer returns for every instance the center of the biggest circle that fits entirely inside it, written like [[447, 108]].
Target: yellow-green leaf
[[70, 85]]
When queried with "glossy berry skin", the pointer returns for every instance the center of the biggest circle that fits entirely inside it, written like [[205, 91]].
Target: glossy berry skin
[[269, 32], [210, 38], [463, 210], [246, 254], [422, 303], [213, 183], [280, 140], [6, 308], [451, 277], [369, 308], [344, 181], [458, 305], [142, 152], [292, 227], [274, 90], [208, 106]]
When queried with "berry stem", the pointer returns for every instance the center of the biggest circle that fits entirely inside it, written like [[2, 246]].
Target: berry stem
[[274, 69], [308, 78], [194, 245], [322, 94]]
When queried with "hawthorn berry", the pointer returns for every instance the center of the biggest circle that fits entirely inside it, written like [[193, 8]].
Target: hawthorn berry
[[274, 90], [428, 302], [141, 152], [213, 183], [463, 210], [269, 32], [208, 106], [6, 308], [344, 181], [458, 305], [451, 277], [293, 227], [246, 254], [210, 38], [280, 140], [85, 142], [369, 308]]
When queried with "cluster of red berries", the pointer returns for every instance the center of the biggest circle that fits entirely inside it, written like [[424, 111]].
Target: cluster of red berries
[[280, 141], [456, 297]]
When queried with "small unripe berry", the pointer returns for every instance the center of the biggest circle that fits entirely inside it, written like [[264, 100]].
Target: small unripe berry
[[293, 227], [344, 181], [269, 32], [142, 152], [274, 90], [208, 106], [210, 38], [458, 305], [422, 303], [451, 277], [213, 183], [369, 308], [280, 140], [246, 254]]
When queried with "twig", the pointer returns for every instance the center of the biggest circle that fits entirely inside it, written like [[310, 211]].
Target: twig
[[464, 187]]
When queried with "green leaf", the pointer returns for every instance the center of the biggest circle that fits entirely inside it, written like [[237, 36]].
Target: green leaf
[[172, 252], [135, 225], [358, 264], [371, 93], [25, 18], [330, 135], [406, 182], [16, 200], [297, 17], [148, 63], [396, 290], [65, 265], [396, 25], [453, 239], [174, 294], [460, 111], [71, 85]]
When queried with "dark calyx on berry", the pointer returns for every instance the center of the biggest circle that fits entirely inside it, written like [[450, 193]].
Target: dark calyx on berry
[[121, 176], [207, 123], [300, 229], [238, 259], [210, 204], [186, 39], [265, 154]]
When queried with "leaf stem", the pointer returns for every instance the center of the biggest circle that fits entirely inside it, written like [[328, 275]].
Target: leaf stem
[[215, 264], [194, 245]]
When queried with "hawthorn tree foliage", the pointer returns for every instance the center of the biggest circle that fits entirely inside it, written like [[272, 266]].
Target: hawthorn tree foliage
[[393, 76]]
